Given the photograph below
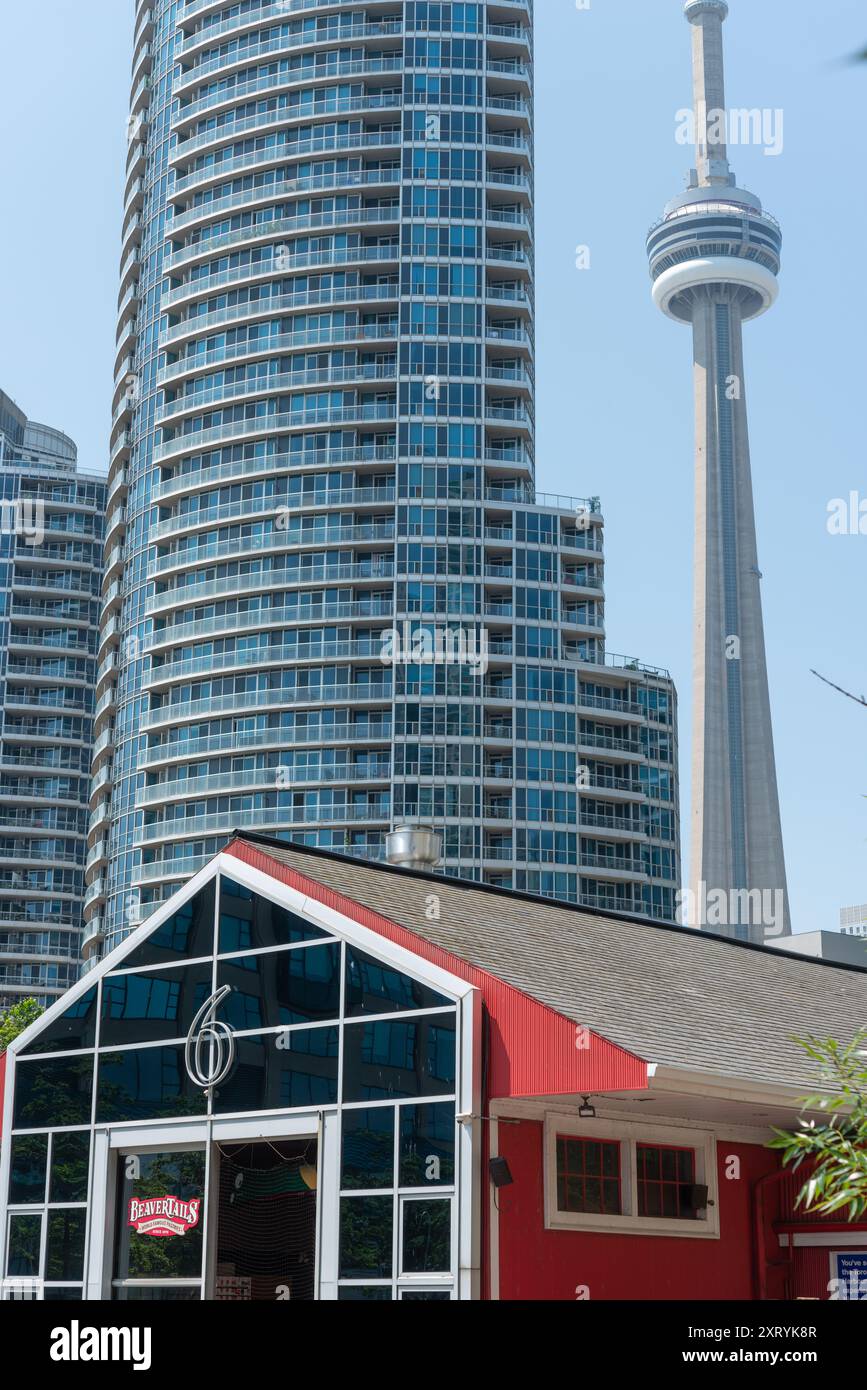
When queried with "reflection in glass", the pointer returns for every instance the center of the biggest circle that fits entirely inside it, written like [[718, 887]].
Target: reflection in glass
[[282, 1071], [25, 1235], [152, 1006], [139, 1255], [189, 932], [427, 1237], [373, 987], [70, 1155], [249, 922], [282, 988], [71, 1295], [64, 1255], [427, 1145], [73, 1031], [368, 1148], [366, 1225], [426, 1296], [53, 1091], [365, 1294], [405, 1058], [149, 1083], [29, 1165]]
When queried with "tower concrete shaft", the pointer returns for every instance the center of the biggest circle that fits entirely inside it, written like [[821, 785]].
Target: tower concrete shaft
[[714, 260]]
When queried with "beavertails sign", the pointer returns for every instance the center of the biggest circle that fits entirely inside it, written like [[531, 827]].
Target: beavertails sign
[[163, 1216]]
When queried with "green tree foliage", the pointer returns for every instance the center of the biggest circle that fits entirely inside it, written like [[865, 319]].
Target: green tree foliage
[[834, 1145], [16, 1018]]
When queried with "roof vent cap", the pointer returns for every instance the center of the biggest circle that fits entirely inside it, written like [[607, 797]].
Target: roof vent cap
[[414, 847]]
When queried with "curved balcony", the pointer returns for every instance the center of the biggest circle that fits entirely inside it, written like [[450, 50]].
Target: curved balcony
[[304, 39], [261, 426], [280, 542], [329, 500], [261, 388], [264, 581], [279, 190], [264, 270], [192, 827], [191, 328], [339, 336], [190, 711], [370, 218], [269, 620], [260, 779], [284, 153], [224, 98], [199, 480], [162, 677], [327, 736]]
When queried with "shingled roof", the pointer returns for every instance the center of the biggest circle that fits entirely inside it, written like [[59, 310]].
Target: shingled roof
[[675, 996]]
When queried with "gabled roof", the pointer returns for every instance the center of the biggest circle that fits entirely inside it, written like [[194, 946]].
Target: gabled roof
[[672, 995]]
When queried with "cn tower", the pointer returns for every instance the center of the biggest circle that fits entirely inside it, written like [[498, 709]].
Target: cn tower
[[714, 260]]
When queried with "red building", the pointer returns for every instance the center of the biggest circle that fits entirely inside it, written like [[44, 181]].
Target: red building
[[612, 1083]]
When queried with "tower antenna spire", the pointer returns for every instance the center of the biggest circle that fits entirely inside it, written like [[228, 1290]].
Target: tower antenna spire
[[709, 91]]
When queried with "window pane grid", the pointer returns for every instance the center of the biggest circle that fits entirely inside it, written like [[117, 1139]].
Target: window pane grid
[[666, 1176], [588, 1176]]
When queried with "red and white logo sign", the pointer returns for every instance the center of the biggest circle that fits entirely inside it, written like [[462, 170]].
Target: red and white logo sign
[[163, 1216]]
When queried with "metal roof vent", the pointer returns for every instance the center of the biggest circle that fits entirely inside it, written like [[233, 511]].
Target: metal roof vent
[[414, 847]]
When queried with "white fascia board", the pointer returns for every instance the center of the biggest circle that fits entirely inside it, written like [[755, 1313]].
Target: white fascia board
[[685, 1081]]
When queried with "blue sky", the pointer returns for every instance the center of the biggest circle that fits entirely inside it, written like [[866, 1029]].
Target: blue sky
[[614, 399]]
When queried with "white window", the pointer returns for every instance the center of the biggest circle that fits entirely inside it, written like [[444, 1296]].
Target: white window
[[619, 1176]]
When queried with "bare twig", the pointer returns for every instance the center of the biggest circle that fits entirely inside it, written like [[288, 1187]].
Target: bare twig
[[859, 699]]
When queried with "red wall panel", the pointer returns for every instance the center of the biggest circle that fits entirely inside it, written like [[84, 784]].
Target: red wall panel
[[551, 1265]]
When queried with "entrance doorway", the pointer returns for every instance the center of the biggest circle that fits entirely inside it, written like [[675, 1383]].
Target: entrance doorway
[[266, 1221]]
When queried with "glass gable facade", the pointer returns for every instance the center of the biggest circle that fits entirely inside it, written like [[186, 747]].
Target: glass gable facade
[[106, 1115]]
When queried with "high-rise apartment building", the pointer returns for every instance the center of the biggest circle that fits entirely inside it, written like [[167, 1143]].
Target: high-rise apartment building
[[714, 259], [853, 920], [324, 431], [51, 526]]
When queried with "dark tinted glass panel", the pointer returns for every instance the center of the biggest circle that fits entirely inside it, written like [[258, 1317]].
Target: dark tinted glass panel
[[368, 1148], [189, 932], [426, 1296], [366, 1225], [64, 1255], [70, 1154], [427, 1145], [364, 1295], [149, 1083], [427, 1237], [152, 1243], [148, 1008], [283, 987], [29, 1168], [25, 1234], [282, 1071], [375, 988], [74, 1029], [385, 1061], [248, 921], [55, 1092], [75, 1295]]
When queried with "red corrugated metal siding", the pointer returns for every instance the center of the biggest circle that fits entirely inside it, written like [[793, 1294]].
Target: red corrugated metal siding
[[533, 1050]]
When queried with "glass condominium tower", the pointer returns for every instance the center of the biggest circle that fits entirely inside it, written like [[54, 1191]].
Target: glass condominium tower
[[324, 431], [51, 524]]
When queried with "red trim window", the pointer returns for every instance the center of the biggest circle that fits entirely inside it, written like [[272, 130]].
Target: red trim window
[[666, 1179], [588, 1175]]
